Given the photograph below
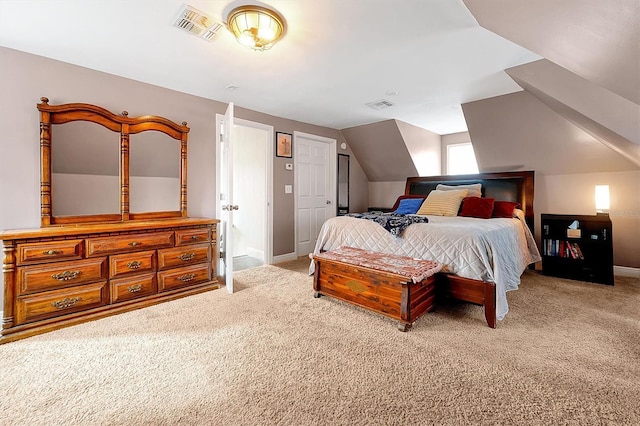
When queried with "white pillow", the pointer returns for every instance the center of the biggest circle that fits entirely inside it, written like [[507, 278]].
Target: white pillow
[[475, 189], [443, 203]]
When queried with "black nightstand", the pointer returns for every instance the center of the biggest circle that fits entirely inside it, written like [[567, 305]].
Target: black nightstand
[[578, 247]]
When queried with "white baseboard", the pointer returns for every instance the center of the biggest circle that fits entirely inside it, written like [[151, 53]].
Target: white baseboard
[[255, 253], [625, 271], [284, 258]]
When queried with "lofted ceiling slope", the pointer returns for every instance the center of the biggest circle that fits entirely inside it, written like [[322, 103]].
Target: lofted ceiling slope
[[590, 79], [584, 114], [598, 40], [391, 150], [608, 117], [426, 57], [381, 151], [507, 135]]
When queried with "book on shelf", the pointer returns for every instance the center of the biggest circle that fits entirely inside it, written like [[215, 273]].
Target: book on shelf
[[562, 248]]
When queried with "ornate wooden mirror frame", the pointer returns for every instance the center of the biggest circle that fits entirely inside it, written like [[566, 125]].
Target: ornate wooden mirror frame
[[125, 126]]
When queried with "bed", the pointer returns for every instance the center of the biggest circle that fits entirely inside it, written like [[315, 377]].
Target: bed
[[483, 258]]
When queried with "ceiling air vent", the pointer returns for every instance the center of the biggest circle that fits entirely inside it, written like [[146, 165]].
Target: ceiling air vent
[[197, 23], [381, 104]]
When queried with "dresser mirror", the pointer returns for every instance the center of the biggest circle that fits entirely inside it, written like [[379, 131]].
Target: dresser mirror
[[85, 170], [97, 166], [154, 168]]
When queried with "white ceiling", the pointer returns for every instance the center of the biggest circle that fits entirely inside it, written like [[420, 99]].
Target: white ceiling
[[337, 55]]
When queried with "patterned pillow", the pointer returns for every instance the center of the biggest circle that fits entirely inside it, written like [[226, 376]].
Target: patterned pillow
[[443, 203]]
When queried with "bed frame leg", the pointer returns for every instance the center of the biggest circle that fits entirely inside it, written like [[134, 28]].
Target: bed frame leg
[[404, 327], [490, 304]]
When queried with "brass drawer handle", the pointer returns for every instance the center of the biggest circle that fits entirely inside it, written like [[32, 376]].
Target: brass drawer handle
[[66, 275], [194, 237], [187, 256], [52, 252], [134, 288], [134, 264], [186, 277], [135, 243], [66, 303]]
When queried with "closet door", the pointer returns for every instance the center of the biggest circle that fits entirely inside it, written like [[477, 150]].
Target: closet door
[[315, 172]]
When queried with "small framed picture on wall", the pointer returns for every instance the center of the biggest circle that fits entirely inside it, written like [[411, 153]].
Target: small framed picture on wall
[[283, 145]]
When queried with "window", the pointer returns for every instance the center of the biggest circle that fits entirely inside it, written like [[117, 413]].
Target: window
[[461, 159]]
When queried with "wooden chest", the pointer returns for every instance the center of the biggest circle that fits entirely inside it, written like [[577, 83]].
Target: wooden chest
[[376, 287]]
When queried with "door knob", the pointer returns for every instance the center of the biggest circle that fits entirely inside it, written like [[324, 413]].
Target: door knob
[[328, 201]]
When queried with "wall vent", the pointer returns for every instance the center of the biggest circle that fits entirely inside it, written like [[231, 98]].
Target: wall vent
[[197, 23], [381, 104]]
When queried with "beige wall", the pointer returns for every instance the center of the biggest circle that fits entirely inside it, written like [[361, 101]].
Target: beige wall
[[424, 149], [381, 150], [423, 146], [24, 78], [575, 194], [283, 204], [518, 132], [358, 182], [384, 194]]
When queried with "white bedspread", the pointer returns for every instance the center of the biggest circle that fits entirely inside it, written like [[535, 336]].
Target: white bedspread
[[494, 250]]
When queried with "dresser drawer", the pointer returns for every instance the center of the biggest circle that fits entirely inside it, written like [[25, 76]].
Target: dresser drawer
[[128, 243], [124, 289], [181, 256], [60, 302], [35, 278], [50, 251], [191, 236], [189, 275], [123, 264]]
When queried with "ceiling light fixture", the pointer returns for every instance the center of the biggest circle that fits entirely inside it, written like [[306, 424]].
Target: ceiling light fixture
[[256, 27]]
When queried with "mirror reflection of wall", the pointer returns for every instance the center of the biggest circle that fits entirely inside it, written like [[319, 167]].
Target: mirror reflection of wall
[[154, 172], [343, 184], [85, 169]]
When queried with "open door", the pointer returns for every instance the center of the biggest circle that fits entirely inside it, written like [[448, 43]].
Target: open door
[[226, 206]]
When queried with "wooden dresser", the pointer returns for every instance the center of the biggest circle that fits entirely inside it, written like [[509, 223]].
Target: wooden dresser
[[64, 275]]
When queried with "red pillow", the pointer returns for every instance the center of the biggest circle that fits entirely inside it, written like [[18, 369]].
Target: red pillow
[[476, 207], [504, 208]]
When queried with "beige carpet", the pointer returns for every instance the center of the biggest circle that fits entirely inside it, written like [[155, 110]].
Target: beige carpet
[[271, 354]]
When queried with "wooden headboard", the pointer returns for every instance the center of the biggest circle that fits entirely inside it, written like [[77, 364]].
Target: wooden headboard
[[503, 186]]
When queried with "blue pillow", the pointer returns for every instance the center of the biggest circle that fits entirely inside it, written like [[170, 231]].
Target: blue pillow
[[409, 206]]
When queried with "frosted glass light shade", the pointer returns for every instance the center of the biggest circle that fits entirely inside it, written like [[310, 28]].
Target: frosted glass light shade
[[602, 198], [256, 27]]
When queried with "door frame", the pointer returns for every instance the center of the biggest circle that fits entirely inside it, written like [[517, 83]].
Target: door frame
[[333, 159], [268, 209]]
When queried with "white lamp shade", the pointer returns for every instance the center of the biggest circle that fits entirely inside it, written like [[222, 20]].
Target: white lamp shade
[[602, 198]]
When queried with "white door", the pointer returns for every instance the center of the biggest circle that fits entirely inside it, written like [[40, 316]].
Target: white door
[[225, 205], [315, 187]]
